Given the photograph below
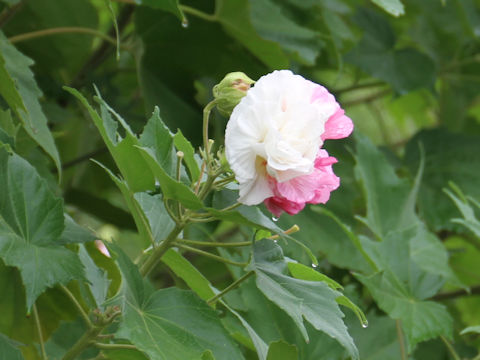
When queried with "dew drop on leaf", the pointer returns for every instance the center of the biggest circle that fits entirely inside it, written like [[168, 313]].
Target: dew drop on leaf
[[185, 23], [274, 218]]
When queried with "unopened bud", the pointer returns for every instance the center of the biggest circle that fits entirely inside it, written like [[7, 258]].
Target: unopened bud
[[230, 91]]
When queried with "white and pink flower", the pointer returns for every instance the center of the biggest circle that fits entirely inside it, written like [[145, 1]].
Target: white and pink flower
[[274, 140]]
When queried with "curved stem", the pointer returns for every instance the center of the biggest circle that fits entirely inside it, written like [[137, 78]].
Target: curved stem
[[157, 254], [210, 255], [39, 332], [61, 30], [206, 117], [213, 244], [82, 343], [368, 98], [450, 348], [230, 287], [78, 306], [200, 14]]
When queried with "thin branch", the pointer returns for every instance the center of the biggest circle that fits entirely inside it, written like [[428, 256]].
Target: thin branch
[[61, 30], [157, 254], [214, 244], [39, 332], [114, 346], [474, 290], [450, 348], [210, 255], [230, 287], [367, 99], [79, 307], [358, 87], [401, 340], [200, 14]]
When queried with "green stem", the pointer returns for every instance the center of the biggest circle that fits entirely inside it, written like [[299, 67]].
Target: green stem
[[39, 332], [78, 306], [61, 30], [367, 99], [157, 254], [213, 244], [357, 87], [401, 340], [230, 287], [210, 255], [114, 346], [450, 348], [231, 207], [206, 116], [200, 14], [84, 342]]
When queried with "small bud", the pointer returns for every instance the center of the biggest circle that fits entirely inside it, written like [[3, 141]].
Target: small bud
[[230, 91]]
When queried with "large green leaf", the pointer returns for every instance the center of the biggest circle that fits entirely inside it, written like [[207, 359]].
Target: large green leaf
[[394, 7], [390, 199], [159, 221], [171, 6], [53, 306], [280, 350], [127, 157], [421, 320], [271, 24], [235, 18], [9, 349], [67, 52], [20, 91], [29, 238], [169, 324], [457, 163], [405, 69], [189, 273], [300, 299]]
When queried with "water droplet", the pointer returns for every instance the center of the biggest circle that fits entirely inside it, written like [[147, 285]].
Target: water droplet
[[365, 324], [185, 23], [314, 266], [274, 218], [275, 241]]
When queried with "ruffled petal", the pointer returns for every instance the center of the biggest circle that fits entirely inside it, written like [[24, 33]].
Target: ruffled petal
[[338, 126]]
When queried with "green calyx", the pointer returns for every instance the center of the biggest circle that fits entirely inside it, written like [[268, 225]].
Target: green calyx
[[230, 91]]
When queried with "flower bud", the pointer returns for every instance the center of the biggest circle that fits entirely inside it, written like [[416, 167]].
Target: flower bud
[[230, 91]]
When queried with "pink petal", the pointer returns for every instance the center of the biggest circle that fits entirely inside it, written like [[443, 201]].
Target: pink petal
[[338, 126], [277, 205]]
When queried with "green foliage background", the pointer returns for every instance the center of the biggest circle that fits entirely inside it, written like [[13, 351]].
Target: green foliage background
[[400, 238]]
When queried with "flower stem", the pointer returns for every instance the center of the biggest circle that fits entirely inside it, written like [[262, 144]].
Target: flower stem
[[401, 340], [450, 348], [230, 287], [39, 332], [78, 306], [157, 254], [114, 346], [206, 117], [61, 30], [200, 14], [213, 244], [210, 255], [82, 343]]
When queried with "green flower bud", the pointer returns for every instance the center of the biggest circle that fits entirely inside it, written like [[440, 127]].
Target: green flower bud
[[230, 91]]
